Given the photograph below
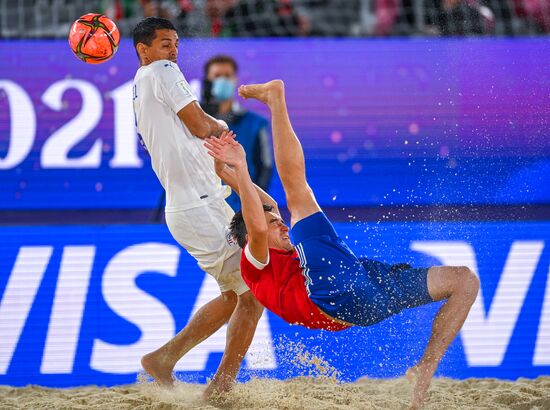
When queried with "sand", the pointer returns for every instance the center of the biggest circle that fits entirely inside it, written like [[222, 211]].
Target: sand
[[297, 393]]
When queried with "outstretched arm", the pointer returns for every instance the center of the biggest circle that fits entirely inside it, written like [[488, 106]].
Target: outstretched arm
[[230, 152], [227, 175]]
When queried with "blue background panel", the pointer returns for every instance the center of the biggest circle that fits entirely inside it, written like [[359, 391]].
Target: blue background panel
[[131, 287]]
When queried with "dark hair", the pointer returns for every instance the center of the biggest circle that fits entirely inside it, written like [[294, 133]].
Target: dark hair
[[237, 228], [145, 30], [220, 59]]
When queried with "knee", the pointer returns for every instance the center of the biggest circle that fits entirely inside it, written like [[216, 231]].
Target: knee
[[467, 282], [249, 303], [230, 298]]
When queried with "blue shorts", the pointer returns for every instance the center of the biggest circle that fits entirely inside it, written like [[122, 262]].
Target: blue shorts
[[358, 291]]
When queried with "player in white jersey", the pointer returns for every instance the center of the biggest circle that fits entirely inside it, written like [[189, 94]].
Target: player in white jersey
[[171, 125]]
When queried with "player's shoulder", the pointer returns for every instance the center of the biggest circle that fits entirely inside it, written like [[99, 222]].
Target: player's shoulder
[[163, 68], [162, 65]]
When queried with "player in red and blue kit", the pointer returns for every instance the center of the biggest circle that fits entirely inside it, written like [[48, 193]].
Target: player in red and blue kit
[[316, 280]]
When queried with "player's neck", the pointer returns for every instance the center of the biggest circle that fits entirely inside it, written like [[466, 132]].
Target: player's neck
[[277, 248]]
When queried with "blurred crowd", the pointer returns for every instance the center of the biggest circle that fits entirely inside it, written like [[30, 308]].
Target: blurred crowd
[[288, 18], [284, 18]]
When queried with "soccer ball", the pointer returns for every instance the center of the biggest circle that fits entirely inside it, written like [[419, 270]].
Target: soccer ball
[[94, 38]]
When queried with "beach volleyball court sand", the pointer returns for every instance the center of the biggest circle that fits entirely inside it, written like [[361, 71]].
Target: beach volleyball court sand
[[297, 393]]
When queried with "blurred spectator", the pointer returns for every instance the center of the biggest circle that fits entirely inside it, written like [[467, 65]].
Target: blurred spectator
[[160, 8], [335, 18], [536, 11], [216, 10], [378, 17], [214, 18], [462, 17], [119, 9], [447, 17], [275, 18], [127, 13], [202, 18], [218, 94], [504, 21], [386, 15], [267, 18]]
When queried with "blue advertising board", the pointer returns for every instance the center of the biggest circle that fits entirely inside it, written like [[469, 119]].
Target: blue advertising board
[[391, 122], [81, 304]]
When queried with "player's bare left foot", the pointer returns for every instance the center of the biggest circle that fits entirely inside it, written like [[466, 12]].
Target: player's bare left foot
[[266, 92], [156, 365], [420, 380]]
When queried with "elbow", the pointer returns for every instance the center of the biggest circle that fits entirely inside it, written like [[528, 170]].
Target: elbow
[[200, 127], [206, 127], [201, 131]]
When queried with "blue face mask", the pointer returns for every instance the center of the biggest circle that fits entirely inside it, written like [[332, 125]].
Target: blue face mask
[[223, 88]]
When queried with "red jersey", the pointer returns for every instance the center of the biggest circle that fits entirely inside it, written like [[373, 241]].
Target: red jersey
[[280, 287]]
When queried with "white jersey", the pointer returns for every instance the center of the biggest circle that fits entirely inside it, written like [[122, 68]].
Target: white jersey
[[179, 159]]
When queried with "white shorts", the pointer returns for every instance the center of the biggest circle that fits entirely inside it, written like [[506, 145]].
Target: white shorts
[[204, 233]]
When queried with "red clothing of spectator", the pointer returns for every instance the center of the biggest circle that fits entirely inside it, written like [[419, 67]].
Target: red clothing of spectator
[[536, 10]]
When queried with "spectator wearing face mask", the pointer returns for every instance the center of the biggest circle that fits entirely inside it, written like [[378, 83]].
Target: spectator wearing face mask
[[218, 100]]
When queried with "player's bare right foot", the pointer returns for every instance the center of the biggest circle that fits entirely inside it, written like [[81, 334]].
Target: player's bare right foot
[[420, 380], [267, 92], [155, 364], [219, 385]]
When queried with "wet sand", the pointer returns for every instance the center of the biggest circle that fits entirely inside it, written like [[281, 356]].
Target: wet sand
[[297, 393]]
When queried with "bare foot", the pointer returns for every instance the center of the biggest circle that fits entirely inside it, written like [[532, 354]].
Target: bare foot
[[156, 365], [265, 92], [217, 387], [420, 381]]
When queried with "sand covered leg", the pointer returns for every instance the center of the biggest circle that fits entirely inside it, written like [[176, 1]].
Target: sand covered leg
[[459, 285], [240, 332], [208, 319]]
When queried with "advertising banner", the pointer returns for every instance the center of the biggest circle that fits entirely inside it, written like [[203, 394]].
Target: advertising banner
[[389, 122], [81, 305]]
